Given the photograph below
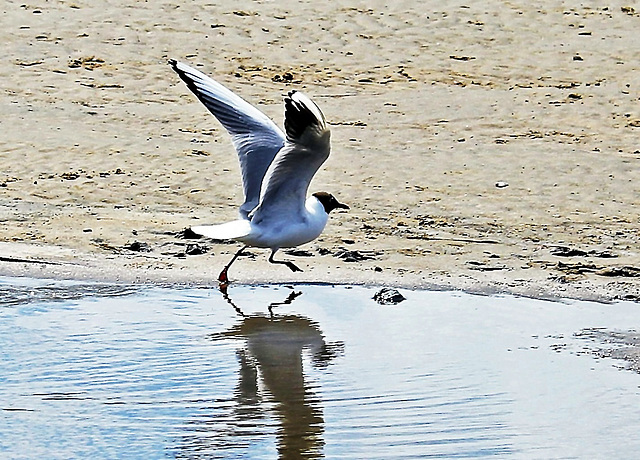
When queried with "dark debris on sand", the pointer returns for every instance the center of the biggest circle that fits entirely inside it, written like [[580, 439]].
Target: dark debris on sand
[[388, 296], [356, 255], [137, 246]]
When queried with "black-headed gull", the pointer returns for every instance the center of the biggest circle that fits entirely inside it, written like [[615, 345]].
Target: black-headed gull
[[276, 169]]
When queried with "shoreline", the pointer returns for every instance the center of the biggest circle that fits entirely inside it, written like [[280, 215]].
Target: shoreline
[[57, 264]]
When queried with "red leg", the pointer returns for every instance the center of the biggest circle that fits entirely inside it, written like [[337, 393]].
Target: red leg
[[223, 278]]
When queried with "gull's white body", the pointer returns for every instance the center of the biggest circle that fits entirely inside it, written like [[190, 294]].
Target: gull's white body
[[276, 168], [285, 233]]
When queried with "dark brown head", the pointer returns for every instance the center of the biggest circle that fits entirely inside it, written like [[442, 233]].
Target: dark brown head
[[329, 201]]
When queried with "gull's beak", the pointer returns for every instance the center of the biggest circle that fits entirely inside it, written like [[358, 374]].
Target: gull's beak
[[342, 205]]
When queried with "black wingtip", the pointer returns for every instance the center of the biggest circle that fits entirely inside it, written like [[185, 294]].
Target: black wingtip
[[288, 98], [297, 116], [183, 74]]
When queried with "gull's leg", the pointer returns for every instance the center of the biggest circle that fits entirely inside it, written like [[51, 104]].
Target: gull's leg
[[291, 265], [223, 278]]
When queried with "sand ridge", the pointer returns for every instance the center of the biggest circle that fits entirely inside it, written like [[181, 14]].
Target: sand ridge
[[481, 146]]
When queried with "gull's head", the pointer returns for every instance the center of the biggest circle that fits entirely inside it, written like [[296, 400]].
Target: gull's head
[[329, 201]]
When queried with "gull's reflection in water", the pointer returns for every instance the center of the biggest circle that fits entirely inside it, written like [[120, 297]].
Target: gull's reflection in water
[[272, 358]]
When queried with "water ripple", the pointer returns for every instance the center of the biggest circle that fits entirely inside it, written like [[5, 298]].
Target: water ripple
[[91, 371]]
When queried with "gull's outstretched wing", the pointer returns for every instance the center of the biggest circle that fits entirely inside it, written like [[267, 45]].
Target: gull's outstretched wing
[[256, 138], [285, 185]]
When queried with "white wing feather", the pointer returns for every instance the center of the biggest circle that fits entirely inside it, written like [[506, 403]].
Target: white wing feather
[[255, 137], [286, 182]]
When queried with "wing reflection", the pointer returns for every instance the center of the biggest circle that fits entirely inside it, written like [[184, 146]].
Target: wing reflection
[[272, 375]]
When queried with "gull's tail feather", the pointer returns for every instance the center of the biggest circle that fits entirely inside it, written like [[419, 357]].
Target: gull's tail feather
[[229, 231]]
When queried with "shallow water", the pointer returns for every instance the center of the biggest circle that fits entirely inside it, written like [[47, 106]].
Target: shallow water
[[103, 371]]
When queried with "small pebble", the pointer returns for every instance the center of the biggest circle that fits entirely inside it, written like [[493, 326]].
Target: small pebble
[[195, 249], [138, 246], [388, 296]]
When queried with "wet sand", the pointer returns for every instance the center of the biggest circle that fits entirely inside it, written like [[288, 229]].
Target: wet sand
[[481, 146]]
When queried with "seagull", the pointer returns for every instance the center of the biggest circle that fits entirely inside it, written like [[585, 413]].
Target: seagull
[[276, 167]]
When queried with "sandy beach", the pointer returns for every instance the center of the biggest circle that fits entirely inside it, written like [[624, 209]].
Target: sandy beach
[[483, 146]]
